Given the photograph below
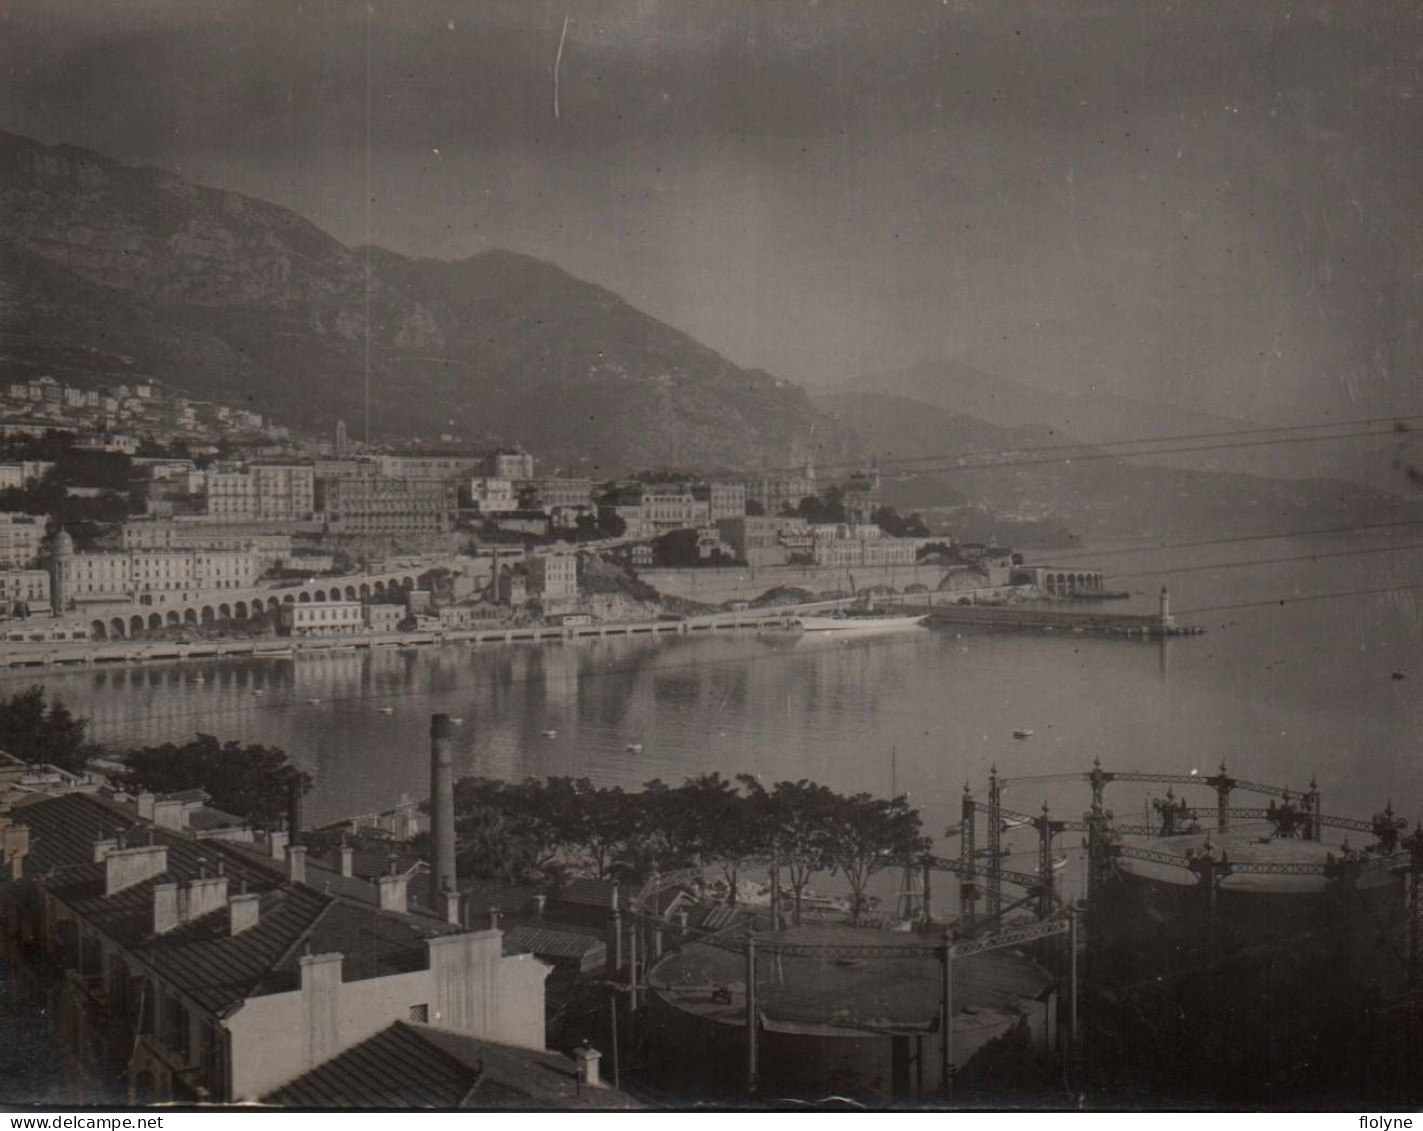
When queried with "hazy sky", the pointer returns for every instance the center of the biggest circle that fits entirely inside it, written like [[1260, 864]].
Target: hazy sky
[[1212, 203]]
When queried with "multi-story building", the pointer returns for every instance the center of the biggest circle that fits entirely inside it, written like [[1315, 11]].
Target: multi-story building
[[494, 496], [724, 499], [429, 465], [127, 575], [843, 544], [23, 473], [552, 493], [161, 534], [765, 540], [507, 463], [369, 505], [20, 538], [553, 577], [266, 490], [181, 967], [775, 493], [322, 618], [23, 587]]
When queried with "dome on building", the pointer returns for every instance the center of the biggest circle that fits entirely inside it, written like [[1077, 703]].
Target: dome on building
[[63, 543]]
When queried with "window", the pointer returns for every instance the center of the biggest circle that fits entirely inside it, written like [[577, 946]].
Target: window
[[420, 1013]]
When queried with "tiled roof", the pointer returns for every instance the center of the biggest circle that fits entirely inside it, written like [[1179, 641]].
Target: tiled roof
[[594, 893], [544, 939], [201, 958], [414, 1066]]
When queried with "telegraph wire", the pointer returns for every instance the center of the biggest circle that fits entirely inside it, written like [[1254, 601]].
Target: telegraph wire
[[1274, 561], [1083, 552], [1280, 602]]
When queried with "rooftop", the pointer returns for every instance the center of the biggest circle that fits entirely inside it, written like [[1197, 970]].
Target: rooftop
[[415, 1066]]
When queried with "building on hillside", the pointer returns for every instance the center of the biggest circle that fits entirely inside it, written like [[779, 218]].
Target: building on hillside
[[370, 505], [553, 577], [429, 465], [20, 538], [322, 618], [775, 493], [672, 507], [765, 540], [724, 499], [24, 587], [860, 496], [513, 586], [494, 496], [262, 490], [553, 493], [844, 544], [179, 969], [23, 473], [508, 463]]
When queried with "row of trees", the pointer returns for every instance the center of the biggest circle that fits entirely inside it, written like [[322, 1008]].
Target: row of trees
[[250, 782], [508, 829]]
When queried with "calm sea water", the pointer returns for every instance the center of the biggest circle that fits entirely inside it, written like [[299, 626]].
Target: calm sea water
[[1280, 693]]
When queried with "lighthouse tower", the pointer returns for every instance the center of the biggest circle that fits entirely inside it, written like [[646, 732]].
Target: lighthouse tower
[[61, 572], [1167, 620]]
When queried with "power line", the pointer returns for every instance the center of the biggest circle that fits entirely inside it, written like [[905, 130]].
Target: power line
[[1282, 601], [1389, 425], [1275, 561], [1158, 548]]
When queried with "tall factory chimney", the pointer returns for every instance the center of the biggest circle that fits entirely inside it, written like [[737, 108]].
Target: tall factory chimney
[[442, 804]]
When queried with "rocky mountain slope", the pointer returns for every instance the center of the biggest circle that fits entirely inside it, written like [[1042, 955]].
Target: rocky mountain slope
[[110, 272]]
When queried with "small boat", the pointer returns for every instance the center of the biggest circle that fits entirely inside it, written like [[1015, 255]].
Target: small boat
[[313, 702], [550, 733], [457, 720], [634, 748], [199, 679], [386, 710], [1022, 734], [1015, 822], [259, 691]]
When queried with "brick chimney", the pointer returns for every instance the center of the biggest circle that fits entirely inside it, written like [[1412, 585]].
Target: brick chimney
[[168, 814], [243, 911], [442, 803], [145, 805], [348, 860], [125, 867], [393, 893], [296, 863], [166, 912], [277, 844], [540, 902], [452, 908], [205, 895], [587, 1059]]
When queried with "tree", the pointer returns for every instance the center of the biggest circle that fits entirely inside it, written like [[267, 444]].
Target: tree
[[38, 733], [793, 820], [899, 526], [864, 834], [717, 825], [829, 507], [252, 782], [754, 509], [611, 524]]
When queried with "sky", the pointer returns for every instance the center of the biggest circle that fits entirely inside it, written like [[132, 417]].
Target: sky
[[1210, 203]]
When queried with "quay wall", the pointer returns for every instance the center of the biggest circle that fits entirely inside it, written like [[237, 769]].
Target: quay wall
[[1036, 616], [715, 585]]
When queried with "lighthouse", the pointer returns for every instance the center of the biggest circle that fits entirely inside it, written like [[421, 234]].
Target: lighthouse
[[1167, 620], [61, 571]]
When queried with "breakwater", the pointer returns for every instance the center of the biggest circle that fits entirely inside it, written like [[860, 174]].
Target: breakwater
[[1035, 616]]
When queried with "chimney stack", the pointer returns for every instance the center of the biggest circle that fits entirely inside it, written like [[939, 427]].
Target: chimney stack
[[124, 867], [442, 803], [243, 910], [587, 1061], [494, 918], [146, 802], [296, 863], [348, 859], [540, 902], [277, 843], [393, 893], [452, 908]]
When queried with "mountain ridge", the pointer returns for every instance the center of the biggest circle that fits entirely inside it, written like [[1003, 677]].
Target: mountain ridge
[[268, 306]]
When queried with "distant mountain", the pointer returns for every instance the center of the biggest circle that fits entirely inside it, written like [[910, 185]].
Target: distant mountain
[[1380, 462], [110, 272], [1024, 475]]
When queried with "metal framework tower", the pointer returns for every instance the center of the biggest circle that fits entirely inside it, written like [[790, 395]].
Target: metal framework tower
[[995, 837]]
